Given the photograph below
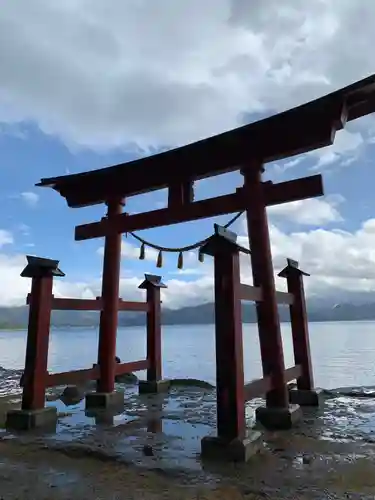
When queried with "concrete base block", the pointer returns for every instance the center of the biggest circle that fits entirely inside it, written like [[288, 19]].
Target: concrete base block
[[304, 398], [24, 420], [278, 418], [237, 450], [153, 387], [104, 400]]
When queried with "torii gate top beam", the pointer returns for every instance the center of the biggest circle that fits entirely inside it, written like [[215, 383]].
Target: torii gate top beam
[[298, 130]]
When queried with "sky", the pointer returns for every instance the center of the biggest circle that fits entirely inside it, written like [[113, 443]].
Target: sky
[[86, 84]]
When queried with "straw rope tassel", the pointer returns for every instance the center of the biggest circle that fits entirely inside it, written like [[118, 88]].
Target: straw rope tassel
[[159, 262], [142, 252], [180, 262], [200, 256]]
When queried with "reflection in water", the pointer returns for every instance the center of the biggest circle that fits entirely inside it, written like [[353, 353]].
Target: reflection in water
[[109, 416], [154, 415]]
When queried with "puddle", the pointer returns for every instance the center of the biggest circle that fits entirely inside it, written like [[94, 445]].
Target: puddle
[[348, 419], [164, 431], [175, 446]]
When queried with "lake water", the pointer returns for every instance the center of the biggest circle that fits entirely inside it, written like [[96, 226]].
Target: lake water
[[343, 353]]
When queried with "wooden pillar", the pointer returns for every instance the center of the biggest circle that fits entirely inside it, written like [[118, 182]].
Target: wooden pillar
[[40, 303], [110, 297], [228, 335], [262, 268], [299, 324], [152, 284]]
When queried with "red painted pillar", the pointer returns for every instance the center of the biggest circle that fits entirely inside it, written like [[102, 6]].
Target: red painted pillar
[[110, 297], [228, 335], [152, 284], [40, 304], [262, 268], [299, 323]]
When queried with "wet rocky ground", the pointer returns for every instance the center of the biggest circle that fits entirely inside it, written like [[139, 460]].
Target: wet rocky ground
[[151, 450]]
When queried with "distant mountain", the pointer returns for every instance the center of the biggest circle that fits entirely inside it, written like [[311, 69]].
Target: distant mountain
[[17, 317]]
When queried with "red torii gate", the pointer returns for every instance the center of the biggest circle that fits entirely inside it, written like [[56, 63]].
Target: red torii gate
[[248, 148]]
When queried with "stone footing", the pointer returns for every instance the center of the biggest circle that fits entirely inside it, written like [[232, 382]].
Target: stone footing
[[278, 418], [153, 387], [237, 450], [24, 420], [104, 400], [304, 398]]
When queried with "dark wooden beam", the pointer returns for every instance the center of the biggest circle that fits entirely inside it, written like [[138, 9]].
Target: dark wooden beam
[[73, 377], [299, 130], [260, 386], [250, 293], [257, 388], [275, 140], [253, 293], [70, 304], [80, 376], [298, 189], [132, 366], [293, 373]]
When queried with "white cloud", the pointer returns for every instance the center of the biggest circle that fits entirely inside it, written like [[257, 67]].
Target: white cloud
[[30, 198], [313, 212], [171, 72], [6, 238], [347, 145], [14, 288], [189, 271], [338, 261]]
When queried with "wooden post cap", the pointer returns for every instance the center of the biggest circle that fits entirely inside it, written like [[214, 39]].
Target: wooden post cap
[[38, 267], [291, 268], [152, 280]]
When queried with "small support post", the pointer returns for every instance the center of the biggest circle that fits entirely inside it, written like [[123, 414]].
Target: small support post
[[277, 413], [106, 396], [33, 413], [154, 383], [305, 395], [231, 425]]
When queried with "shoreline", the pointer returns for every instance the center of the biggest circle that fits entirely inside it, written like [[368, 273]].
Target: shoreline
[[327, 454], [90, 327]]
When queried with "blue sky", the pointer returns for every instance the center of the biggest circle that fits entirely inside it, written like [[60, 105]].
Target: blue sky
[[44, 225], [84, 89]]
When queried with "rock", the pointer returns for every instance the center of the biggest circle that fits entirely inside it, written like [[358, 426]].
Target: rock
[[52, 397], [127, 378], [190, 382], [148, 451], [307, 460], [72, 395]]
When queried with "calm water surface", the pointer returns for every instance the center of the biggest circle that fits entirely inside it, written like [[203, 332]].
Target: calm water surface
[[343, 353]]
